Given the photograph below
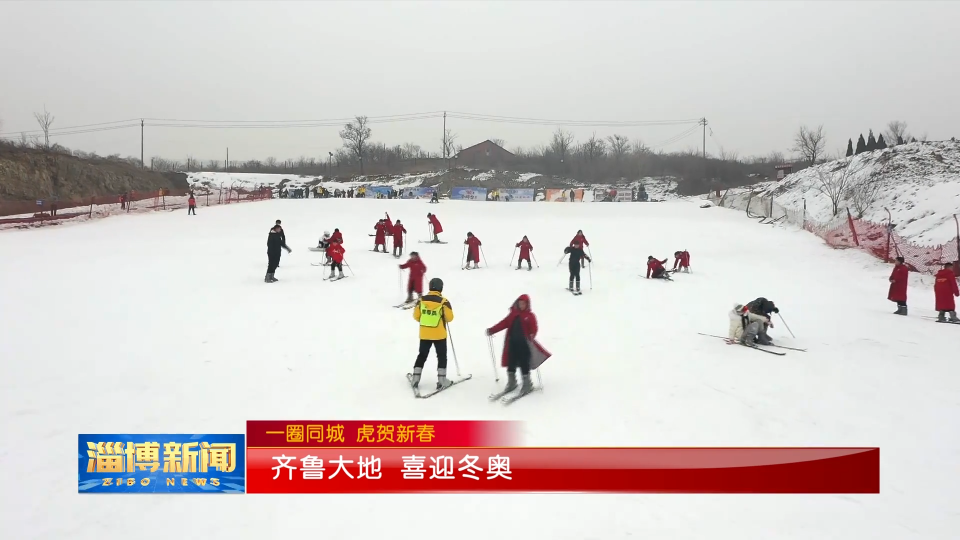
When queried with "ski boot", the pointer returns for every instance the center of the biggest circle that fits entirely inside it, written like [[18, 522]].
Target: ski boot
[[415, 380], [340, 276], [527, 385], [268, 278], [442, 380], [332, 274], [901, 310], [953, 317], [942, 316], [273, 278]]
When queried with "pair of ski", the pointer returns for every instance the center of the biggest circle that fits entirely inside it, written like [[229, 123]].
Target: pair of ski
[[575, 292], [416, 389], [506, 399], [406, 305], [470, 267], [938, 320], [756, 347], [432, 242], [335, 278]]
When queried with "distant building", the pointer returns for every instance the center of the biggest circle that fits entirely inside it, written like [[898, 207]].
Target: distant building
[[783, 171], [486, 155]]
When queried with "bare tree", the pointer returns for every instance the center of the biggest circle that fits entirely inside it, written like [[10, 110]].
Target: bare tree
[[619, 144], [24, 141], [864, 194], [896, 133], [411, 150], [729, 155], [776, 157], [809, 143], [449, 137], [499, 142], [45, 120], [561, 143], [356, 137], [594, 148], [835, 183]]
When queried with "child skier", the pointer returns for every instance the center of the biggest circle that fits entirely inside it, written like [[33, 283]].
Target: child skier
[[681, 259], [398, 232], [473, 250], [656, 270], [435, 225], [520, 348], [576, 258], [579, 241], [380, 237], [899, 278], [525, 248], [434, 313], [415, 281], [335, 254], [192, 205], [745, 326], [324, 245], [945, 289]]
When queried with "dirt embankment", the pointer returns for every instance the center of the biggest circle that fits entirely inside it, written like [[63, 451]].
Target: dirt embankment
[[32, 174]]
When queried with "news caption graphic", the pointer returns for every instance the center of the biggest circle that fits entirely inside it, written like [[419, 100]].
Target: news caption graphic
[[472, 457], [161, 463]]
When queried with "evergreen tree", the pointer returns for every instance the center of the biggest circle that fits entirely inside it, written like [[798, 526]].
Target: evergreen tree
[[899, 140], [881, 144], [861, 145], [849, 147], [871, 142]]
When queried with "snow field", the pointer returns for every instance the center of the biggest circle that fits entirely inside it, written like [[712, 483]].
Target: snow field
[[161, 322]]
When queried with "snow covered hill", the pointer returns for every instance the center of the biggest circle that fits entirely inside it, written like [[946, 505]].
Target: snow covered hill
[[161, 323], [919, 183]]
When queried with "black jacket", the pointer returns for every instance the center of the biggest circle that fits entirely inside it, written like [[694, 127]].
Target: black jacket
[[275, 242], [762, 306], [576, 254]]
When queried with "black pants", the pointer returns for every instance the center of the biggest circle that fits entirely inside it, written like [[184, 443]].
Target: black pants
[[192, 210], [658, 273], [518, 356], [901, 304], [273, 261], [397, 250], [336, 266], [520, 263], [440, 345], [575, 275]]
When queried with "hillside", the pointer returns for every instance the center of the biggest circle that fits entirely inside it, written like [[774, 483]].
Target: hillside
[[444, 180], [919, 183]]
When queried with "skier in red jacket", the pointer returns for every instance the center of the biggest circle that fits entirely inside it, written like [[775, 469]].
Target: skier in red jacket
[[415, 281], [681, 258], [655, 268], [473, 250], [380, 238], [337, 236], [335, 252], [191, 205], [525, 248], [898, 286], [435, 225], [520, 347], [398, 232], [579, 241], [945, 288]]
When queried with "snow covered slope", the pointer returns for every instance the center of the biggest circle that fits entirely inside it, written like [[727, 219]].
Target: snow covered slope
[[162, 323], [920, 185]]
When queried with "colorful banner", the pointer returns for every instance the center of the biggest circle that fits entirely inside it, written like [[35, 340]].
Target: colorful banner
[[612, 195], [469, 194], [379, 434], [417, 193], [154, 463], [563, 195], [372, 191], [577, 470], [511, 195]]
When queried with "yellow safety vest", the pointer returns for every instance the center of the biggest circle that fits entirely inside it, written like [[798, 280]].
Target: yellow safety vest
[[430, 317]]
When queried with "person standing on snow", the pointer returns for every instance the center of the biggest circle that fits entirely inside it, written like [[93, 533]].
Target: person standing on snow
[[435, 225], [434, 313], [655, 268], [380, 238], [765, 308], [945, 288], [191, 205], [576, 258], [473, 250], [398, 232], [520, 348], [579, 241], [899, 278], [681, 258], [274, 244], [525, 248], [415, 281], [335, 253], [745, 326]]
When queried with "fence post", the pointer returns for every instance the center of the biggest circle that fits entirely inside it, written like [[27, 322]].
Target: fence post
[[853, 230], [771, 207]]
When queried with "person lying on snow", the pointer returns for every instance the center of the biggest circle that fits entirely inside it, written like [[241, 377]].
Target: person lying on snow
[[745, 326]]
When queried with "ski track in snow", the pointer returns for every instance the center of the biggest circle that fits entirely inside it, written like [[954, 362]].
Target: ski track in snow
[[161, 322]]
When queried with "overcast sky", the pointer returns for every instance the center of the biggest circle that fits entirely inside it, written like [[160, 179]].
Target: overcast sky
[[755, 70]]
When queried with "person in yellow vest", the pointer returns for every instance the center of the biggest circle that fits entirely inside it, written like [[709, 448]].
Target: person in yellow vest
[[433, 312]]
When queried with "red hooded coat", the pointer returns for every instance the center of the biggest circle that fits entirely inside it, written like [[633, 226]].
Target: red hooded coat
[[398, 231], [525, 248], [473, 248], [653, 265], [437, 228], [579, 240], [683, 260], [417, 270], [898, 289], [528, 321], [381, 237], [945, 288], [337, 237]]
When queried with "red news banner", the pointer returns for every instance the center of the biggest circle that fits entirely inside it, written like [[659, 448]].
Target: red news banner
[[320, 456]]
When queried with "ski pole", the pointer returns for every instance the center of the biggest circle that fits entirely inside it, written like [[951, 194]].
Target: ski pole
[[511, 256], [493, 358], [539, 379], [787, 325], [400, 279], [535, 259], [561, 259], [463, 256], [348, 268], [484, 256], [590, 274], [453, 350]]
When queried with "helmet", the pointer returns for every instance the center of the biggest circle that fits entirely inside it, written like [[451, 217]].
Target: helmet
[[326, 234], [436, 284]]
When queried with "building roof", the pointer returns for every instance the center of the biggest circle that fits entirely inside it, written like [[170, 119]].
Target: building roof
[[488, 141]]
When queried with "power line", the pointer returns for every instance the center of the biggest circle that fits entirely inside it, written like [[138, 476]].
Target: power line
[[69, 128]]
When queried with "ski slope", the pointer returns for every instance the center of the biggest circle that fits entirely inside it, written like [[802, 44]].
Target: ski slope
[[162, 323]]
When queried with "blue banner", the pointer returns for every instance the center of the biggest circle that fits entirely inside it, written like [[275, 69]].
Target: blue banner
[[511, 195], [372, 191], [156, 463], [416, 193], [469, 194]]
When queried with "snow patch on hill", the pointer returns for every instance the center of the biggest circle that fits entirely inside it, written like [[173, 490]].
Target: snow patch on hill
[[919, 183]]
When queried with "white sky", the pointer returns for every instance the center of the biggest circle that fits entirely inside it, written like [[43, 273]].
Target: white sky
[[755, 70]]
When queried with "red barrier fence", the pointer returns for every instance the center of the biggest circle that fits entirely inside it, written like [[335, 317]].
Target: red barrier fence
[[32, 213]]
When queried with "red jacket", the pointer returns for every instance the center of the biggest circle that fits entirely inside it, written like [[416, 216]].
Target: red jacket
[[898, 289], [335, 251], [579, 240], [654, 264], [473, 248], [525, 248], [380, 229], [945, 288], [683, 260], [337, 237], [528, 321], [437, 228], [192, 201], [417, 270], [398, 231]]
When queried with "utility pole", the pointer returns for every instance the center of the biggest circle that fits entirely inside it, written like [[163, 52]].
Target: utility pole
[[703, 122], [444, 139], [141, 143], [226, 164]]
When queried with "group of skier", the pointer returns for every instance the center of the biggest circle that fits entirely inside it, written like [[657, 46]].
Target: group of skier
[[945, 289]]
